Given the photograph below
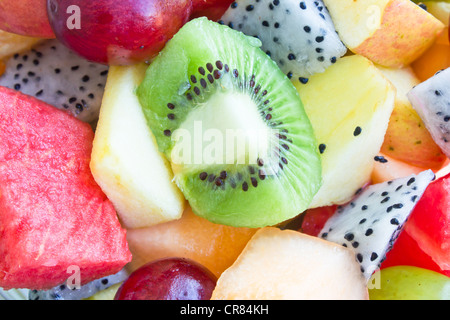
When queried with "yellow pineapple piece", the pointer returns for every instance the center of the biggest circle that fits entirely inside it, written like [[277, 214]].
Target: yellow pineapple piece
[[349, 106], [13, 43]]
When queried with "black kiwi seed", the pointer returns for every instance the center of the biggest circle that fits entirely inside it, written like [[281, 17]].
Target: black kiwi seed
[[262, 174], [203, 176], [245, 186], [219, 182], [223, 175]]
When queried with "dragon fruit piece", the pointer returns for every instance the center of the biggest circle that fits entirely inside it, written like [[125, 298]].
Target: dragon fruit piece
[[431, 100], [56, 75], [64, 292], [371, 223], [298, 35]]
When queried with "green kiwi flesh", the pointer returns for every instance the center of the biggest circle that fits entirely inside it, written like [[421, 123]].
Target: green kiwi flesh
[[241, 146]]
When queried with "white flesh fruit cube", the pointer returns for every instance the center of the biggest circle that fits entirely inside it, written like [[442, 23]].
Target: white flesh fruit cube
[[289, 265], [349, 106], [126, 162]]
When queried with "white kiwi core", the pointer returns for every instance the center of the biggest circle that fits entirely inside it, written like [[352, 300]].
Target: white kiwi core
[[227, 129]]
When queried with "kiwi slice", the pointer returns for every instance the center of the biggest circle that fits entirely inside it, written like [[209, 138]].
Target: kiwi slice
[[232, 125]]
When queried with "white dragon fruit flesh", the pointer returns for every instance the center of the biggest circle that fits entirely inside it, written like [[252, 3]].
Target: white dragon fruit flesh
[[65, 292], [54, 74], [431, 100], [298, 35], [371, 223]]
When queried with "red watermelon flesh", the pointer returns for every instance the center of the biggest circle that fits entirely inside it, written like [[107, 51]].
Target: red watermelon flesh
[[429, 223], [54, 218], [407, 252]]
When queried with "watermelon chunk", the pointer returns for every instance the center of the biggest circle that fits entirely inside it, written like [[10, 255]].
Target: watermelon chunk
[[429, 223], [54, 219], [406, 252]]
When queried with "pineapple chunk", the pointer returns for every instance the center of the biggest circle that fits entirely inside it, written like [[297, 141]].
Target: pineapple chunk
[[289, 265], [126, 162], [13, 43], [349, 106]]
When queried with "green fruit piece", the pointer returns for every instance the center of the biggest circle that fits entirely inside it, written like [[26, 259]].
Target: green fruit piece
[[233, 126], [107, 294], [409, 283]]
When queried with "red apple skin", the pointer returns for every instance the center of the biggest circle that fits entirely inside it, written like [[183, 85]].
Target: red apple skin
[[118, 32], [168, 279], [25, 17], [213, 9]]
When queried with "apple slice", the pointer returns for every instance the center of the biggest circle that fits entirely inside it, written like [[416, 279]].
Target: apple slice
[[407, 138], [387, 168], [289, 265], [126, 162], [392, 33], [26, 17]]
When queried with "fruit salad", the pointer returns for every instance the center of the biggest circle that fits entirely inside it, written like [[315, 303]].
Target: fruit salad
[[224, 150]]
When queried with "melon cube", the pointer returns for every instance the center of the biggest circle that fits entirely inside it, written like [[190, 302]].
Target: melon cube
[[289, 265], [213, 245]]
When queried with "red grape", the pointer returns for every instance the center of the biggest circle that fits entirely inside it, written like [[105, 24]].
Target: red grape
[[213, 9], [168, 279], [117, 32]]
